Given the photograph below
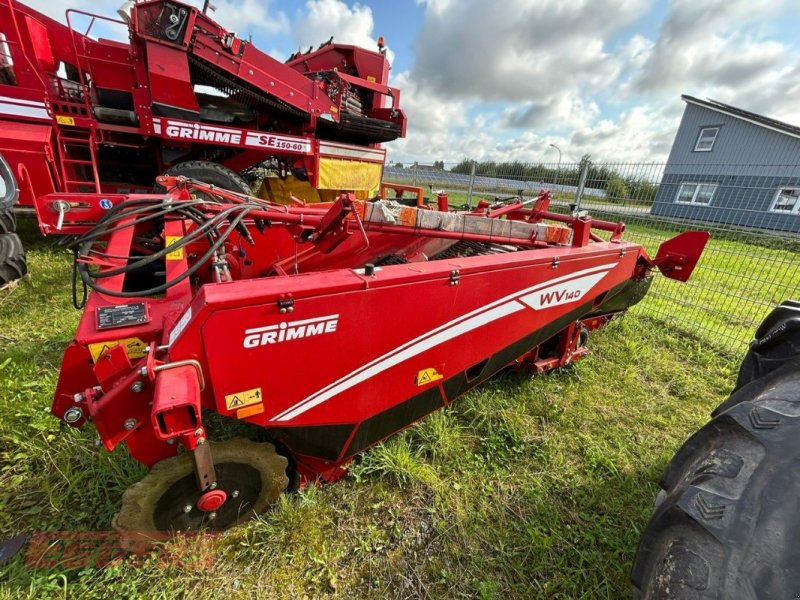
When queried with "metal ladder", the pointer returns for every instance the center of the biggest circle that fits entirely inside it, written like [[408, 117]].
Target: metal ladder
[[73, 145]]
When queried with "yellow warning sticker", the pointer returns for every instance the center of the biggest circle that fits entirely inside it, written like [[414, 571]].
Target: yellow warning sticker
[[65, 120], [371, 78], [427, 376], [175, 254], [242, 399], [135, 347]]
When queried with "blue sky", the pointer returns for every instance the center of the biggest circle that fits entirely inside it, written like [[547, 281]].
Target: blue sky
[[504, 79]]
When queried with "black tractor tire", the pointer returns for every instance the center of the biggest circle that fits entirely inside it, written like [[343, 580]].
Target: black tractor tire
[[727, 519], [777, 340], [209, 172], [8, 221], [13, 265]]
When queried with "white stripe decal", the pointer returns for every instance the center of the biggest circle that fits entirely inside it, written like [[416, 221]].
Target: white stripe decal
[[585, 279], [426, 344], [36, 103], [23, 111]]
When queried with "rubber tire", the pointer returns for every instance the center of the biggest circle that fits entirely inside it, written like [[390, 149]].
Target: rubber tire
[[137, 501], [13, 264], [209, 172], [726, 523], [8, 221]]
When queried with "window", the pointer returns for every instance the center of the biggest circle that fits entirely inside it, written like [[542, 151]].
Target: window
[[8, 186], [706, 139], [787, 200], [7, 75], [696, 193]]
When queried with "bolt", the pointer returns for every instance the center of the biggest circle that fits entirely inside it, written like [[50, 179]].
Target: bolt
[[282, 311], [143, 371], [129, 424], [73, 414], [137, 386], [235, 494], [213, 486], [212, 515], [187, 508], [201, 441], [198, 432], [171, 441], [78, 398]]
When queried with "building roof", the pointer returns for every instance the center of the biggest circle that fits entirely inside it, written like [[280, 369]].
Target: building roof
[[745, 115]]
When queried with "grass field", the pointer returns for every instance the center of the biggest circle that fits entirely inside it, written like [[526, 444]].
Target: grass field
[[528, 488]]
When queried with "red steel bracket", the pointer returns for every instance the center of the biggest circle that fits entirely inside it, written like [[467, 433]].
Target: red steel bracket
[[678, 256]]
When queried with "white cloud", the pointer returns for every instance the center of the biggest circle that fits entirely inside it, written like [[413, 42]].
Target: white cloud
[[574, 74], [519, 50], [564, 110], [241, 16], [708, 44], [321, 19], [247, 16]]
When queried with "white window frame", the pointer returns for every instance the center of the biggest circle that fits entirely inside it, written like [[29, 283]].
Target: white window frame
[[696, 192], [795, 210], [700, 137], [6, 60]]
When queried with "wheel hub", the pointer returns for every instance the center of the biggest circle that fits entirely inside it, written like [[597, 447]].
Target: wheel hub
[[211, 501]]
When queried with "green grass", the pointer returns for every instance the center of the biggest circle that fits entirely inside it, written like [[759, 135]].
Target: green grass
[[740, 277], [528, 488]]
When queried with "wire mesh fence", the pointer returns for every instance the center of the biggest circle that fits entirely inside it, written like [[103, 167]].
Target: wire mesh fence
[[751, 263]]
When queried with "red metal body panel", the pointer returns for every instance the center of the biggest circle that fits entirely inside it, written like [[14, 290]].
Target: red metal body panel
[[227, 339], [363, 309]]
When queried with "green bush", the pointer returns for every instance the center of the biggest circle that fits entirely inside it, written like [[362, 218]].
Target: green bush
[[616, 189]]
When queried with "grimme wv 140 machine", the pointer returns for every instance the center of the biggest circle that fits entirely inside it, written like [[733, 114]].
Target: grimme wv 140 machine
[[209, 301], [266, 250]]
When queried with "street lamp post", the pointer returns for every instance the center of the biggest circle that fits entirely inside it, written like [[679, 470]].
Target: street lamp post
[[558, 168]]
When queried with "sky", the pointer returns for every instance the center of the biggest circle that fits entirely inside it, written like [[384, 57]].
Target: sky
[[505, 79]]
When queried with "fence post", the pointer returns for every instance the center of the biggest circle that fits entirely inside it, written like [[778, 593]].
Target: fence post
[[471, 185], [581, 185], [415, 173]]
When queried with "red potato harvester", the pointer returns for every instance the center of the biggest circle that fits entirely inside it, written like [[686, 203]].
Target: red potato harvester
[[203, 301], [180, 95]]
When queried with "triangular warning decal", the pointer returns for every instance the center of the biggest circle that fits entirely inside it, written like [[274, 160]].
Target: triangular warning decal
[[426, 376], [243, 398]]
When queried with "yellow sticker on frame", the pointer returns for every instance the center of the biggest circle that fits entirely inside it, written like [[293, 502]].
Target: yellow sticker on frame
[[175, 254], [135, 347], [242, 399], [65, 120], [426, 376]]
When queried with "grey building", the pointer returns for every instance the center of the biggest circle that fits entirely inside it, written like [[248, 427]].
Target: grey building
[[732, 166]]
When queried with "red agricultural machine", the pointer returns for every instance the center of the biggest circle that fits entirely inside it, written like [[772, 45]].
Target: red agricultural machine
[[183, 96], [203, 300], [266, 247]]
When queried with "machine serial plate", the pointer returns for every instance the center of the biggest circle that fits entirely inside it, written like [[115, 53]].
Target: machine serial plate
[[121, 315]]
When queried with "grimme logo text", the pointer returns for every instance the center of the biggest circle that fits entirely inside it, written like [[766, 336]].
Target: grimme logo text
[[292, 330]]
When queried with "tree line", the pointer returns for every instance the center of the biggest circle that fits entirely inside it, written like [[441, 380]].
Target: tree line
[[618, 187]]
